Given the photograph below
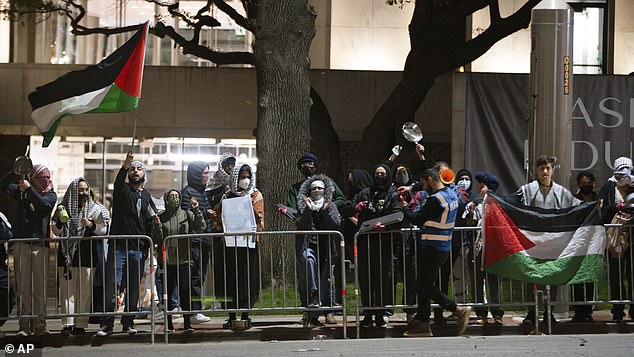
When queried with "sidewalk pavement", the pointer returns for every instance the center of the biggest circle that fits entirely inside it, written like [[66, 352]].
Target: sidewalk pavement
[[288, 327]]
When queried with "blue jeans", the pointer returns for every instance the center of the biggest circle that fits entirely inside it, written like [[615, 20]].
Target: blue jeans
[[128, 266], [313, 274]]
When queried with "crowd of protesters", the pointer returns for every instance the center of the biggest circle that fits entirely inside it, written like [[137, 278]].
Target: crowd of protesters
[[91, 273]]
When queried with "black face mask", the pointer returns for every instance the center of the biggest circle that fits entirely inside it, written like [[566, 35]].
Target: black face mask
[[307, 171], [380, 181], [586, 189]]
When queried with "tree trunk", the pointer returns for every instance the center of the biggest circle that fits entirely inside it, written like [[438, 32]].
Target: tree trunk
[[283, 33]]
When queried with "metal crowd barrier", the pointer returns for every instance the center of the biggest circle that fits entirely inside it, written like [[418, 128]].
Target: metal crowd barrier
[[74, 291], [382, 261], [385, 262], [281, 276]]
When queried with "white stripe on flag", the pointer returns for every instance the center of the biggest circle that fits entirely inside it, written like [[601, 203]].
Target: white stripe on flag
[[586, 240], [44, 117]]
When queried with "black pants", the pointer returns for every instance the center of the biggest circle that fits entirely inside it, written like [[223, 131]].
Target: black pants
[[492, 282], [583, 292], [406, 264], [429, 261], [376, 271], [201, 250], [178, 286], [621, 284], [445, 272]]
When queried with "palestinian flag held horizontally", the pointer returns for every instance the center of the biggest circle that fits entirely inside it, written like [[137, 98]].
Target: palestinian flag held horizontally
[[113, 85], [542, 246]]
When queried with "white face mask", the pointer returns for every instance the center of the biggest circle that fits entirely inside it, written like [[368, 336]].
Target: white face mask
[[624, 181], [464, 183], [244, 183]]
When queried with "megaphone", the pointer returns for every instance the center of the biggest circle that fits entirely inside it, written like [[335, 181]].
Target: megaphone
[[447, 176]]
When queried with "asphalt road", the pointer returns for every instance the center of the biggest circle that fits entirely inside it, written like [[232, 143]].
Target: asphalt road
[[562, 345]]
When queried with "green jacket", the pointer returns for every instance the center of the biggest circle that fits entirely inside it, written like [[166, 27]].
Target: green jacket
[[178, 222]]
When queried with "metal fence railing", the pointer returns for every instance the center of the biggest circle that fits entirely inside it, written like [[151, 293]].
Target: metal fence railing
[[82, 277], [87, 275], [249, 279], [385, 277]]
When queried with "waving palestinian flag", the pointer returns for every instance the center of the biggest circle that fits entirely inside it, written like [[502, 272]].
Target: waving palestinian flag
[[113, 85], [542, 246]]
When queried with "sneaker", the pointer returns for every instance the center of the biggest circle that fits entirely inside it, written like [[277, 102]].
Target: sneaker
[[314, 300], [130, 330], [618, 317], [67, 330], [498, 321], [553, 320], [367, 321], [199, 319], [22, 334], [330, 319], [462, 318], [482, 321], [79, 331], [104, 331], [380, 321], [314, 322], [189, 330], [228, 325], [529, 319], [418, 328]]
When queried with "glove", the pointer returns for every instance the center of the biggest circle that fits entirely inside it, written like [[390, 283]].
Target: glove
[[360, 206], [378, 227], [619, 206], [282, 210]]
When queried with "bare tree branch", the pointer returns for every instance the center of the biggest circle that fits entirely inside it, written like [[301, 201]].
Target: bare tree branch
[[189, 47], [476, 47], [234, 15]]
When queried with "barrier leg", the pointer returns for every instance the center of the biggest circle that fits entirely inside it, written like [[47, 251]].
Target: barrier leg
[[536, 318], [549, 322]]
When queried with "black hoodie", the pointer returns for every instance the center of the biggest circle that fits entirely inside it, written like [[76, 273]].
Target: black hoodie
[[196, 188], [381, 201]]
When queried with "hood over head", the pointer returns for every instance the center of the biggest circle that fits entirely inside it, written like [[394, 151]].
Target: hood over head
[[463, 172], [235, 177], [221, 177], [304, 189], [195, 175]]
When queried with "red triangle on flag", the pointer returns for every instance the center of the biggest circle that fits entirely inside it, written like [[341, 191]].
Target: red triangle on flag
[[503, 238], [129, 79]]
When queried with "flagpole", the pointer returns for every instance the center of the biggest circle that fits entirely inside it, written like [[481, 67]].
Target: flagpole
[[134, 131]]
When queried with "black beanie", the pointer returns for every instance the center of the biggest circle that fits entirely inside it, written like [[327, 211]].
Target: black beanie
[[307, 157]]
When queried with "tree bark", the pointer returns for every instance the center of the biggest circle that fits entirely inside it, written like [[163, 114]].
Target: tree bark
[[283, 33]]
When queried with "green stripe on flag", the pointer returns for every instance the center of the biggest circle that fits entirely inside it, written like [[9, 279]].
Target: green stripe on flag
[[115, 101], [570, 270]]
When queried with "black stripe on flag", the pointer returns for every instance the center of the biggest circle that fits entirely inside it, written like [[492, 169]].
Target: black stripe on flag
[[550, 220], [86, 80]]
